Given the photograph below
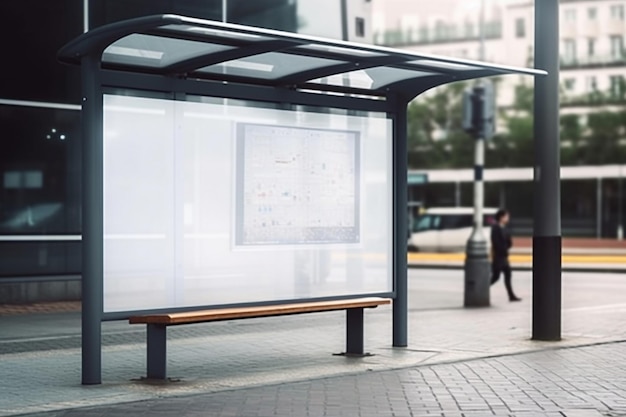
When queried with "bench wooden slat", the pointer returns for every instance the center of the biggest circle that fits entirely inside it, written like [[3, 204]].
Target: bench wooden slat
[[257, 311]]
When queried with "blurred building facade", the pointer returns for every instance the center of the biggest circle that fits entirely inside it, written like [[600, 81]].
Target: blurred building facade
[[40, 172], [593, 71]]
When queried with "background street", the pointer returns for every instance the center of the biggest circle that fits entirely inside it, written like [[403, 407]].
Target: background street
[[265, 366]]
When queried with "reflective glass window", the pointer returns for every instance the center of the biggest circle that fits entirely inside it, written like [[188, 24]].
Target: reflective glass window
[[39, 171], [32, 32], [272, 14], [108, 11], [39, 191], [39, 257]]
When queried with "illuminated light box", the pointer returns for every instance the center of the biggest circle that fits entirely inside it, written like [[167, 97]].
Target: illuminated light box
[[229, 202]]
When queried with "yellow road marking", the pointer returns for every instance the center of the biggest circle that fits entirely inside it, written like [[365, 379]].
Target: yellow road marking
[[580, 259]]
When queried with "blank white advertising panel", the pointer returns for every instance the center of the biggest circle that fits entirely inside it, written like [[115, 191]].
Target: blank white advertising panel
[[211, 204]]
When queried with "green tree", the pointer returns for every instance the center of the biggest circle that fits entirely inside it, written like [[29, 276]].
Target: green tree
[[513, 146], [434, 132], [605, 131], [572, 140]]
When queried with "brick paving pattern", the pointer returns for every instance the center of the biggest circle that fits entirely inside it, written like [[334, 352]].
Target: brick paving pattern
[[577, 382], [52, 307]]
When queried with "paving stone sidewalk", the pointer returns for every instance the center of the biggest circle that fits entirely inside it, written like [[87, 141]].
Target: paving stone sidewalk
[[576, 382], [40, 355]]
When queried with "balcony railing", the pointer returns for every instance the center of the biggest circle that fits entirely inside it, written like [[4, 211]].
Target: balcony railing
[[440, 33], [596, 98], [593, 61]]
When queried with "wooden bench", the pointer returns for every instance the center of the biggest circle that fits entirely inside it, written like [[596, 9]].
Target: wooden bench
[[157, 324]]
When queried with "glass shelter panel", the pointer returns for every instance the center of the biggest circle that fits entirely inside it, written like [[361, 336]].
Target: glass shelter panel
[[371, 78], [270, 65], [214, 204], [154, 51]]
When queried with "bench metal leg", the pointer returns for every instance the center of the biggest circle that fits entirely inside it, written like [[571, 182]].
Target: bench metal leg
[[354, 331], [157, 352]]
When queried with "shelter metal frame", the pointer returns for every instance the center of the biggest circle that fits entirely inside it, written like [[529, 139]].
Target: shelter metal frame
[[181, 56]]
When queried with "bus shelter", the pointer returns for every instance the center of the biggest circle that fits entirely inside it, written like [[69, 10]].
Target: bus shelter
[[226, 165]]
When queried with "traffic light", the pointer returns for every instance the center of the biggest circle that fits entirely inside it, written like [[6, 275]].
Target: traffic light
[[479, 111]]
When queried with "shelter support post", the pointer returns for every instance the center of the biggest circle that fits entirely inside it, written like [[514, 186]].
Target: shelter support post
[[400, 224], [546, 308], [157, 351], [92, 233], [354, 331]]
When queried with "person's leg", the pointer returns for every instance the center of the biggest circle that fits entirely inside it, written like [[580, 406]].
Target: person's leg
[[507, 282], [495, 272]]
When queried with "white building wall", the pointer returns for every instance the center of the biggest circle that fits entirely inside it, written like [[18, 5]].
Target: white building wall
[[323, 18], [587, 69]]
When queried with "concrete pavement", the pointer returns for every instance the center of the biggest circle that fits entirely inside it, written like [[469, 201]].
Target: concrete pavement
[[40, 360]]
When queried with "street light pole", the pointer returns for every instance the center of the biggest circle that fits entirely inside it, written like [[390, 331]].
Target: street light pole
[[476, 266], [546, 310]]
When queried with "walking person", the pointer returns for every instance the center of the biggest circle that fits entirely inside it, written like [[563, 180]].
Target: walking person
[[500, 245]]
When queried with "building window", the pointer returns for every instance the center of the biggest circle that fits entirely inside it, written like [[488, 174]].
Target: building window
[[570, 15], [617, 47], [360, 27], [591, 47], [592, 84], [440, 30], [592, 13], [569, 51], [520, 28], [617, 12], [569, 84], [617, 85]]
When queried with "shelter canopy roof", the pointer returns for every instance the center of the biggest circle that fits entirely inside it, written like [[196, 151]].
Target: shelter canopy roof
[[184, 47]]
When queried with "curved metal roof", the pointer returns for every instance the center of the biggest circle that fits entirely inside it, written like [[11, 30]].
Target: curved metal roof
[[187, 47]]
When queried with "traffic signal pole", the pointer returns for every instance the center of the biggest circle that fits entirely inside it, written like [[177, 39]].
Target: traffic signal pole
[[477, 267]]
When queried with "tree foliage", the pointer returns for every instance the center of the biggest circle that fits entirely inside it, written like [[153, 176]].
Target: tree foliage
[[437, 140]]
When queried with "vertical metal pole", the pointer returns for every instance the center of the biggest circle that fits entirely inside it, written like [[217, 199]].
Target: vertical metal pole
[[481, 51], [476, 267], [400, 303], [457, 194], [92, 221], [224, 11], [546, 318], [620, 225], [85, 15], [344, 20], [598, 208], [479, 185]]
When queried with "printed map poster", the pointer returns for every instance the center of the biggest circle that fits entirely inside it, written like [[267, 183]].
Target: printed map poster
[[296, 186]]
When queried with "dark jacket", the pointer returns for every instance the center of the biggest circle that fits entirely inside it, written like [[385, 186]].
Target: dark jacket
[[500, 242]]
